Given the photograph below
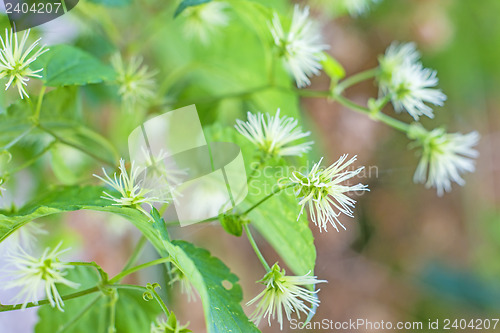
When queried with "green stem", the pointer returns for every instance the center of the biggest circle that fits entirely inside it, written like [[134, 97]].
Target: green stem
[[143, 289], [394, 123], [39, 104], [17, 139], [79, 315], [136, 253], [137, 268], [103, 275], [356, 78], [4, 308], [84, 150], [31, 161], [112, 312], [256, 248]]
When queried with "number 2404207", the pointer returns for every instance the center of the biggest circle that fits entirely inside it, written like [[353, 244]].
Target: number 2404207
[[36, 8], [475, 324]]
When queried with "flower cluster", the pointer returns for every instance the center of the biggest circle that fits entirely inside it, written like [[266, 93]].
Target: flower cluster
[[34, 274], [445, 157], [273, 135], [408, 84], [284, 293], [299, 46], [322, 191], [136, 82], [16, 57]]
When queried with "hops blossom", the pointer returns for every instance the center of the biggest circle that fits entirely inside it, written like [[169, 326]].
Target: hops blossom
[[33, 274], [445, 156], [284, 292], [16, 58], [136, 82], [322, 192], [300, 46], [274, 135]]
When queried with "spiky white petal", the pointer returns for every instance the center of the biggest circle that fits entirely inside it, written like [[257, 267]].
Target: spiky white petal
[[322, 192], [274, 135], [397, 55], [412, 87], [359, 7], [186, 286], [300, 46], [129, 186], [35, 274], [16, 58], [26, 236], [445, 157], [204, 20], [135, 81], [284, 293]]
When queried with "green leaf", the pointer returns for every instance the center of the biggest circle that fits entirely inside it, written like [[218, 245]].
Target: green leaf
[[188, 3], [223, 312], [66, 65], [332, 67], [133, 314]]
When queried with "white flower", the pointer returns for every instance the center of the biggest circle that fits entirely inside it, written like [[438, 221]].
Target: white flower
[[300, 47], [16, 58], [203, 20], [135, 81], [359, 7], [34, 274], [445, 156], [322, 192], [411, 88], [170, 325], [407, 82], [284, 293], [396, 56], [274, 135], [130, 187]]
